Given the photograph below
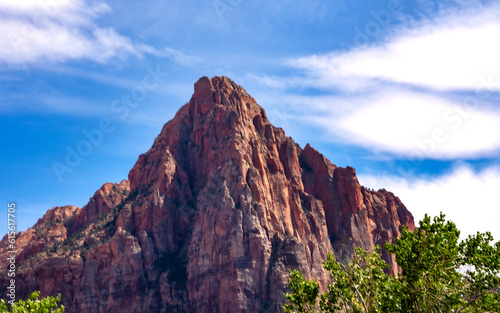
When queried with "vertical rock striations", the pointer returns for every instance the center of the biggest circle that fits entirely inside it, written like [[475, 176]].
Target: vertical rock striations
[[212, 219]]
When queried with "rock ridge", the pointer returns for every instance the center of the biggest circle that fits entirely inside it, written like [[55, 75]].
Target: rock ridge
[[211, 219]]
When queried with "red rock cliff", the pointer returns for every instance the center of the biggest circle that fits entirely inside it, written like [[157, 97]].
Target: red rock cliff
[[217, 212]]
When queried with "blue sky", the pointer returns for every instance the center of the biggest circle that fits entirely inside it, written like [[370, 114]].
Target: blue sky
[[407, 92]]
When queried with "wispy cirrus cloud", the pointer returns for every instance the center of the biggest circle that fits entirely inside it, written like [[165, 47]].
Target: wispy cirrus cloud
[[415, 125], [40, 32], [455, 51], [427, 90], [180, 57], [398, 123]]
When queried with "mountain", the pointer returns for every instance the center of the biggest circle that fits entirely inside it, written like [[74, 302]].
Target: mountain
[[211, 219]]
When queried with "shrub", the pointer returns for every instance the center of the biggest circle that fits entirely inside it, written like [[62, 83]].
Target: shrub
[[34, 305]]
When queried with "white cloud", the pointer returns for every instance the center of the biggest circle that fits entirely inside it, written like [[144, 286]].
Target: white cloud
[[419, 125], [467, 198], [396, 122], [387, 91], [54, 102], [181, 58], [455, 51], [35, 32]]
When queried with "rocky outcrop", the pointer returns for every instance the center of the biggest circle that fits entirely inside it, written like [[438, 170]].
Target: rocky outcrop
[[103, 201], [48, 231], [216, 213]]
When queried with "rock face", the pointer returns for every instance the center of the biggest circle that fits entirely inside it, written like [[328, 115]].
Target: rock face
[[212, 219]]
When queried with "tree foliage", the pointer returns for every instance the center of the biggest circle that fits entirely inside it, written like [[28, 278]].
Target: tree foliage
[[360, 286], [303, 295], [439, 273], [34, 305]]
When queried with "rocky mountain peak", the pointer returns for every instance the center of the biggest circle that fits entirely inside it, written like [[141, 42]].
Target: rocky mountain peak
[[212, 218], [219, 91]]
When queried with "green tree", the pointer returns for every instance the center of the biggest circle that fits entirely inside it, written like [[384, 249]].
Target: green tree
[[360, 286], [303, 295], [34, 305], [439, 273]]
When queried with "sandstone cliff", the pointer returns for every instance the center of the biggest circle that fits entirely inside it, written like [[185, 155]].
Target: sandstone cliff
[[212, 219]]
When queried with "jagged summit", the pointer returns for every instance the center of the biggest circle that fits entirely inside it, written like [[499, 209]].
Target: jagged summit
[[212, 219], [205, 87], [218, 122], [219, 91]]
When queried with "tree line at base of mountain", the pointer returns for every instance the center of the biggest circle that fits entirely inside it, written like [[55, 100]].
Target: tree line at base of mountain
[[438, 273]]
